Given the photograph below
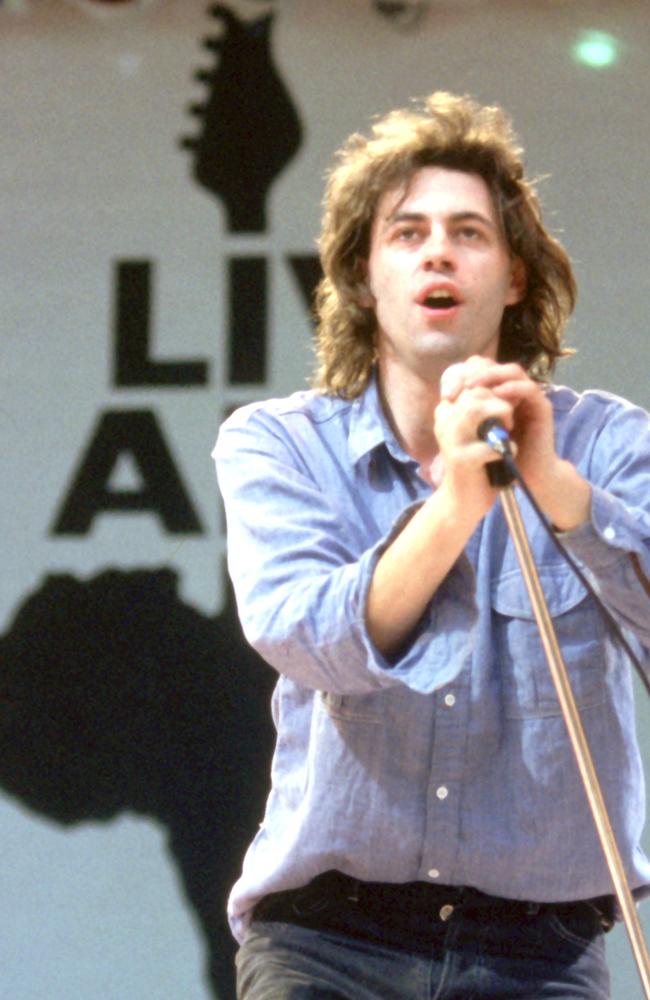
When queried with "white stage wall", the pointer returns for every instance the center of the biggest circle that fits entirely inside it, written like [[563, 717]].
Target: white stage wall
[[148, 286]]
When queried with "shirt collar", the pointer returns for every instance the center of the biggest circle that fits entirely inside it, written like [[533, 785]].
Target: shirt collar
[[369, 426]]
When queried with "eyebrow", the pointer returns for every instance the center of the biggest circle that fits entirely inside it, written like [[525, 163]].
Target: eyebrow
[[466, 216]]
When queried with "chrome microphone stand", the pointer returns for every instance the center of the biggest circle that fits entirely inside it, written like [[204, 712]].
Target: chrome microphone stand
[[502, 477]]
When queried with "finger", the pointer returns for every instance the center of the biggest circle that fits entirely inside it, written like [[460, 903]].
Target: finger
[[481, 403], [462, 417], [496, 375], [452, 382], [471, 458], [526, 397], [462, 375]]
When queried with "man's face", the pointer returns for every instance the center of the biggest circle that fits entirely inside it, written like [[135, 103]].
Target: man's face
[[439, 274]]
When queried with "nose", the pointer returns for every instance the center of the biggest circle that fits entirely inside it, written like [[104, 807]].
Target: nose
[[437, 250]]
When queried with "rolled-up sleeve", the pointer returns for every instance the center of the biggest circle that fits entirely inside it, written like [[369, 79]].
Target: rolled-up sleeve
[[614, 545], [301, 571]]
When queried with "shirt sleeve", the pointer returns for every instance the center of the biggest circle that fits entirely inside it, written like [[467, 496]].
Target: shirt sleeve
[[301, 576], [614, 545]]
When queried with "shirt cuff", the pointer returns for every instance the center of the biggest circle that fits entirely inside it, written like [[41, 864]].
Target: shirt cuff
[[442, 641], [612, 532]]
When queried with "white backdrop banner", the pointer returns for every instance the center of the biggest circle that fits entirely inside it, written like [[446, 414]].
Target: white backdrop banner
[[160, 190]]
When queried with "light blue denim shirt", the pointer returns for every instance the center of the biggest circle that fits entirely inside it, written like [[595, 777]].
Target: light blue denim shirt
[[452, 764]]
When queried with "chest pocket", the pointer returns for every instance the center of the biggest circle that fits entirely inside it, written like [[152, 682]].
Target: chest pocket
[[523, 675], [369, 708]]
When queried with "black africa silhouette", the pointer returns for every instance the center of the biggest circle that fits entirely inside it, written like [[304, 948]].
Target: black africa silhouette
[[115, 696]]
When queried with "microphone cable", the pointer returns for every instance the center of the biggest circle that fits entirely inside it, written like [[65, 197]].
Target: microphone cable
[[502, 474]]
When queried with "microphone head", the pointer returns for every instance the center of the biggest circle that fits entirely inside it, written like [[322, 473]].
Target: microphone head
[[504, 472], [494, 433]]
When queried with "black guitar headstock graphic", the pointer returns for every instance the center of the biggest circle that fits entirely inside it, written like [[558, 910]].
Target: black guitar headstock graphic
[[115, 696], [250, 128]]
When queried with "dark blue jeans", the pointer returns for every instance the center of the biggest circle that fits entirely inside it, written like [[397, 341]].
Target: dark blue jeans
[[344, 949]]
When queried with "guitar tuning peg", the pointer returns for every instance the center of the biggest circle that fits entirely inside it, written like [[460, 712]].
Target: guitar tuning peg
[[203, 76], [196, 108], [185, 142], [212, 44], [220, 10]]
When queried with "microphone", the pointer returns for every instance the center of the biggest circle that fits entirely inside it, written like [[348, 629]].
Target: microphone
[[494, 433], [502, 473]]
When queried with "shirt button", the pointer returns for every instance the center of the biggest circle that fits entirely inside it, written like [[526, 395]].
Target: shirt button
[[609, 533], [446, 911], [442, 792], [450, 700], [433, 873]]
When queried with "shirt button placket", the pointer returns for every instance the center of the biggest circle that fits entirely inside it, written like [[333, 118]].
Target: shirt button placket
[[448, 766]]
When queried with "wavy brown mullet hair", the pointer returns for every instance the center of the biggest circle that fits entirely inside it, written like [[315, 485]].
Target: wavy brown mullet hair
[[457, 133]]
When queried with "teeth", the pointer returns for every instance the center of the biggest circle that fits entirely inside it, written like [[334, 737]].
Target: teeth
[[440, 296]]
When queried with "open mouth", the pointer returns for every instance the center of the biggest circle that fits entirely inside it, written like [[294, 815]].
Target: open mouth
[[440, 300]]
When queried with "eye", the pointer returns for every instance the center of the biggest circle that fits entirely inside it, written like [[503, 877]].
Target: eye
[[471, 233], [407, 234]]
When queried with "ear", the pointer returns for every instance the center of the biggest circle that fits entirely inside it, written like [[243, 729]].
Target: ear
[[518, 282]]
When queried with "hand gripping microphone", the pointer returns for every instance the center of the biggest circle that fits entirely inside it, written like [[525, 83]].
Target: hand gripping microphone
[[492, 431]]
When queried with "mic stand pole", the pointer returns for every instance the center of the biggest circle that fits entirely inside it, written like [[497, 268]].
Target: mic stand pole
[[576, 733]]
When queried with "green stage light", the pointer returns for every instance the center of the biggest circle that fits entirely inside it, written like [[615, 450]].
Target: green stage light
[[596, 49]]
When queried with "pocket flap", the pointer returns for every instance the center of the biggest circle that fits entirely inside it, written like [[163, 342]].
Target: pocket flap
[[562, 589]]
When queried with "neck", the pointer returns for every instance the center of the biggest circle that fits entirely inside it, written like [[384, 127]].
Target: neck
[[409, 403]]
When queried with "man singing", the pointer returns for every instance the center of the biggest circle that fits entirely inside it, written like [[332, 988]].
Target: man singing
[[427, 833]]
